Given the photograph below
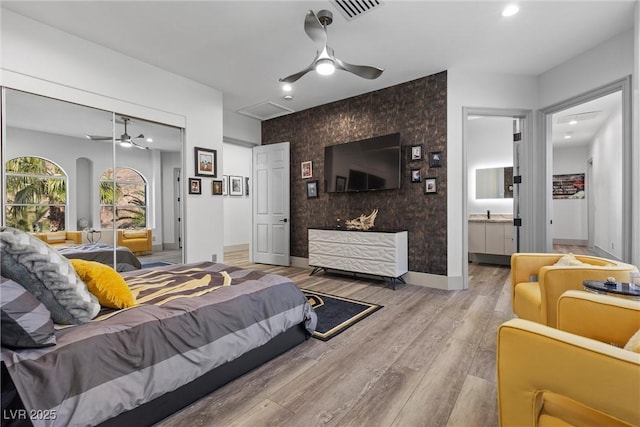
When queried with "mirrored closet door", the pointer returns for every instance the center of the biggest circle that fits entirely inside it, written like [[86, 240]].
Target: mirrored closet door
[[91, 181]]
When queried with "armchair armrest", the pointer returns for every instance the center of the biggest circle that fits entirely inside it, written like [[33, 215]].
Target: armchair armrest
[[592, 315], [525, 265], [542, 371], [556, 280]]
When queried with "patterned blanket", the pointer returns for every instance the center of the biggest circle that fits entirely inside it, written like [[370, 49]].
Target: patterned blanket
[[190, 319]]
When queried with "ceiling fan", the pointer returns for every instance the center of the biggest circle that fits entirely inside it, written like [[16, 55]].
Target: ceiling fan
[[325, 62], [125, 140]]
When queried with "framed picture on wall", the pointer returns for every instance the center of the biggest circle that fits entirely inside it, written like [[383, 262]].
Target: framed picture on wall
[[435, 159], [205, 162], [216, 187], [430, 185], [225, 185], [416, 152], [312, 189], [307, 169], [235, 186], [195, 186], [416, 175]]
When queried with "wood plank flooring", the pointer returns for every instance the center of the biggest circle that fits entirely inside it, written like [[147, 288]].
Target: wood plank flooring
[[426, 359]]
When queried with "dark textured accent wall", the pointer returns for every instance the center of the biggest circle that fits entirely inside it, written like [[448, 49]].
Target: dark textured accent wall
[[418, 111]]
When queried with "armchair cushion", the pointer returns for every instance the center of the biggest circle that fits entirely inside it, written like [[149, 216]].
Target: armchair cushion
[[138, 240]]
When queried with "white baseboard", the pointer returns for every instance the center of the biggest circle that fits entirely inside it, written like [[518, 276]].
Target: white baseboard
[[428, 280], [235, 248], [570, 242]]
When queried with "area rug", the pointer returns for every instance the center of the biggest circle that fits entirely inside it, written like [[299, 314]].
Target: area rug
[[336, 314]]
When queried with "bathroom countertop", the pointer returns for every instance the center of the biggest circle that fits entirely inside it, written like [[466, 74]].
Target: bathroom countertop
[[494, 218]]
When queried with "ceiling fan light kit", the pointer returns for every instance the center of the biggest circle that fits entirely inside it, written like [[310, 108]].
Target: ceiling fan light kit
[[125, 140], [325, 62]]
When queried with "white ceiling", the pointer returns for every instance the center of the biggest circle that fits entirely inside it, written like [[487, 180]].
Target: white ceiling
[[243, 47]]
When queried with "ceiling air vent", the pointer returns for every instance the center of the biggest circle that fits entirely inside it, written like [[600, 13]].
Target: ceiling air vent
[[265, 110], [351, 9]]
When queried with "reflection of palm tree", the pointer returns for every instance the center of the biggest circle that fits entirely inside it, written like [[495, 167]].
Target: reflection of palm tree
[[128, 217], [36, 185]]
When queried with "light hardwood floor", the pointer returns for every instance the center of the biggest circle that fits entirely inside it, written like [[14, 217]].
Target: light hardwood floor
[[426, 359]]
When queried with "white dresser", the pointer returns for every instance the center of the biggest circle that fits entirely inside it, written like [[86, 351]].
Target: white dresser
[[371, 252]]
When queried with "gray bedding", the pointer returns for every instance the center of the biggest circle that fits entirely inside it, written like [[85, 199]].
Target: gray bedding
[[103, 253], [192, 319]]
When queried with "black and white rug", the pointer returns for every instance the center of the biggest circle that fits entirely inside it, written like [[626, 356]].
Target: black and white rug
[[336, 314]]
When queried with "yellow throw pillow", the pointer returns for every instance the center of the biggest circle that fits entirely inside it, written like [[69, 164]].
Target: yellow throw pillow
[[634, 343], [105, 283]]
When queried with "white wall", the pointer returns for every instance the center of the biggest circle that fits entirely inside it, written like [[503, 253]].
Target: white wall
[[570, 215], [489, 145], [607, 154], [237, 209], [63, 66], [466, 88], [241, 128], [601, 65], [610, 61]]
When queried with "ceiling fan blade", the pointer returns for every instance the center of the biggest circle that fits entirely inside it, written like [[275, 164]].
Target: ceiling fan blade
[[314, 29], [294, 77], [364, 71], [138, 145], [99, 138]]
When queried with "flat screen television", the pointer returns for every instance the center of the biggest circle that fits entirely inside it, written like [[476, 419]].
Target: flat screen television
[[365, 165]]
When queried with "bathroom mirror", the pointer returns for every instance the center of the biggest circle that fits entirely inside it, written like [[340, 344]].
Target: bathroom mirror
[[494, 183]]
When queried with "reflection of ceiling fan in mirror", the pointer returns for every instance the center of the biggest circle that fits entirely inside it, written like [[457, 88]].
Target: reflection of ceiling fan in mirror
[[125, 140]]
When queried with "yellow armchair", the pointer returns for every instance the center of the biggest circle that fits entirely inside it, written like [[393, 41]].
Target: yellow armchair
[[137, 239], [536, 283], [554, 377], [61, 238]]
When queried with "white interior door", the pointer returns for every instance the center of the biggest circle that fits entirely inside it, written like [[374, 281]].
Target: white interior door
[[271, 204]]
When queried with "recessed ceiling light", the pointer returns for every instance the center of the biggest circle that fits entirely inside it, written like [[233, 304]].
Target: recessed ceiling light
[[567, 137], [510, 10], [149, 139], [573, 122], [286, 87]]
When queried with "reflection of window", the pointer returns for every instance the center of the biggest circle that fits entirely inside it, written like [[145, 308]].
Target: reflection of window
[[36, 192], [123, 197]]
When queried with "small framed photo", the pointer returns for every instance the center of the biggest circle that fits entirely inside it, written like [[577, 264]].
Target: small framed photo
[[225, 185], [216, 187], [312, 189], [307, 169], [195, 186], [205, 162], [416, 152], [341, 183], [435, 159], [430, 185], [416, 175], [235, 186]]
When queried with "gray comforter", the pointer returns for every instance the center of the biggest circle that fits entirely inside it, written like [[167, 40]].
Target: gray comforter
[[192, 319], [103, 253]]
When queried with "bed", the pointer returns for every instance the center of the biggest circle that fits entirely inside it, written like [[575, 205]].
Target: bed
[[101, 252], [194, 328]]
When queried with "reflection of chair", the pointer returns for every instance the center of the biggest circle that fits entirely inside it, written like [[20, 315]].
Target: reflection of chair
[[136, 239], [61, 238], [567, 377], [536, 283]]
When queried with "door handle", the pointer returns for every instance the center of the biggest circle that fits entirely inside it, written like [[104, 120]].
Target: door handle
[[283, 220]]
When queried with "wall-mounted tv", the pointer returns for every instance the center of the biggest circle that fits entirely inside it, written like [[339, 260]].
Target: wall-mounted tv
[[365, 165]]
